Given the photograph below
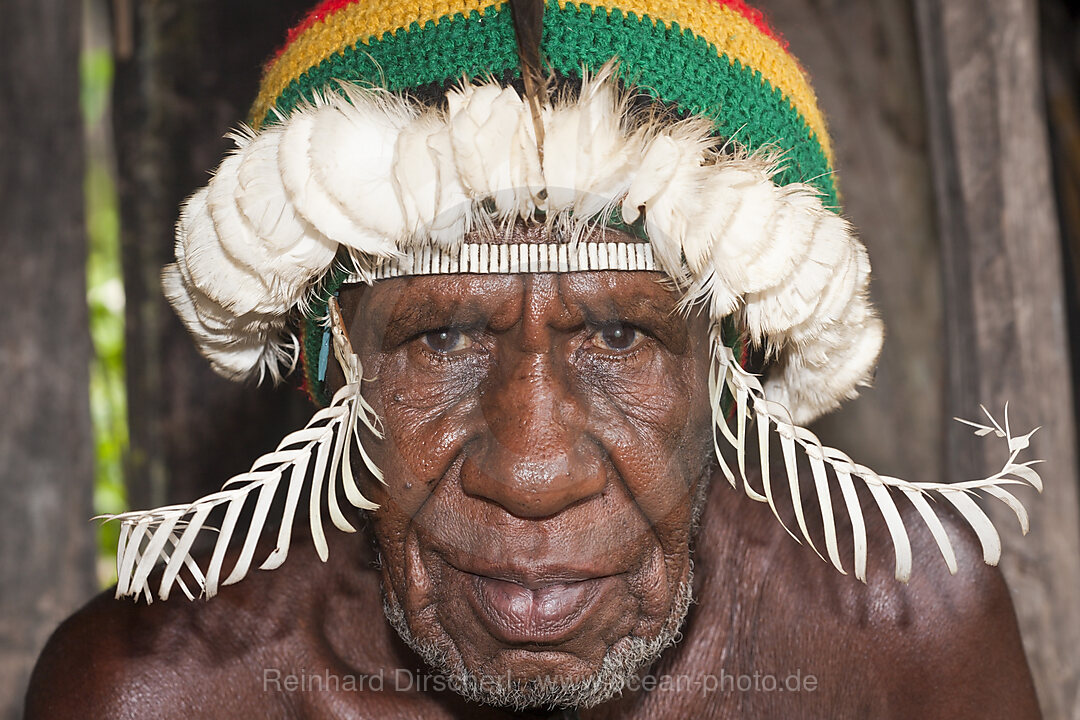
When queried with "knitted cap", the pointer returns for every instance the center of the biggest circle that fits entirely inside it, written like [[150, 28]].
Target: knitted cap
[[713, 58]]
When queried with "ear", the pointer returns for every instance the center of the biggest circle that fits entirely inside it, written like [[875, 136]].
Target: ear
[[351, 302]]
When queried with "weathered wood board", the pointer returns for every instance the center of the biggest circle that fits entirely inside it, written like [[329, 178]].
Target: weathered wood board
[[46, 448]]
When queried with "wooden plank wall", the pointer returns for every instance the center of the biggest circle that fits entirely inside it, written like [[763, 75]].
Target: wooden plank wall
[[46, 449], [937, 118], [1006, 318], [186, 72]]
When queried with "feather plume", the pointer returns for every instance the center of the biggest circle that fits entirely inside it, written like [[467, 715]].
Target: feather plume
[[815, 375], [288, 250], [484, 123], [427, 181], [201, 255], [335, 158], [752, 404], [528, 16], [591, 157], [234, 344], [284, 269]]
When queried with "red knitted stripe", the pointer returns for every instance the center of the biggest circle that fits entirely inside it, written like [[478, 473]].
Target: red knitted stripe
[[329, 7], [321, 11], [755, 16]]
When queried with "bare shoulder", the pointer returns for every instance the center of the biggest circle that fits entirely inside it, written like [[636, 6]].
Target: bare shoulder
[[109, 658], [957, 636], [177, 658], [940, 645]]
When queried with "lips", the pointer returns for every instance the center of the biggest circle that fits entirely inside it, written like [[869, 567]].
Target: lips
[[547, 614]]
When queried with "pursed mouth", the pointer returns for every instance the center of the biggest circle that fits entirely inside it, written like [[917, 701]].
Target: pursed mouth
[[548, 613]]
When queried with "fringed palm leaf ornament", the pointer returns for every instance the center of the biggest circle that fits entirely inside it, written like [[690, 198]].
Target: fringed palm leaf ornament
[[317, 458], [752, 407]]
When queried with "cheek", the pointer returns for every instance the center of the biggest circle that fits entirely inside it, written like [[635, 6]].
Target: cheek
[[426, 415], [654, 423]]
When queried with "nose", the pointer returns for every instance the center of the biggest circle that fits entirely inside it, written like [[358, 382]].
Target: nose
[[535, 457]]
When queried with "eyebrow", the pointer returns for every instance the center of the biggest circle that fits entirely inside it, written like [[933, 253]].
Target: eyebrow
[[424, 306], [411, 314], [607, 292], [654, 311], [401, 325]]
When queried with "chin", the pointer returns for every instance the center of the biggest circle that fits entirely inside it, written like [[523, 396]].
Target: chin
[[582, 661]]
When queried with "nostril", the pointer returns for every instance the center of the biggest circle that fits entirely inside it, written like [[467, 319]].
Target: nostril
[[532, 488]]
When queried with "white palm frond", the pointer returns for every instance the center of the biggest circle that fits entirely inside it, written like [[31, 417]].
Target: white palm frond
[[750, 402], [319, 453]]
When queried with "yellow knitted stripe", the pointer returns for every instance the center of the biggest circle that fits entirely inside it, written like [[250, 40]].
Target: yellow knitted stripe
[[357, 22]]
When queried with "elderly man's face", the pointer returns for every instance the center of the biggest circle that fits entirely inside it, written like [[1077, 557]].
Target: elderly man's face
[[547, 438]]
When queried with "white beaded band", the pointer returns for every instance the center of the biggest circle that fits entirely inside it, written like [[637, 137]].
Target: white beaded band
[[514, 258]]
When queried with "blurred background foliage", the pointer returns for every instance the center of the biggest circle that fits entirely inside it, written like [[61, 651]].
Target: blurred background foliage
[[105, 293]]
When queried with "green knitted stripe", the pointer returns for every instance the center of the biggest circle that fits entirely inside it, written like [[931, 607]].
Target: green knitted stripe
[[675, 66], [435, 53], [678, 67]]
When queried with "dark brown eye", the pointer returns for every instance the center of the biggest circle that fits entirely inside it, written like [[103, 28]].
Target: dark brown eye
[[617, 338], [447, 340]]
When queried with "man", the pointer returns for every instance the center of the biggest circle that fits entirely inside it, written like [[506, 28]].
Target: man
[[528, 309]]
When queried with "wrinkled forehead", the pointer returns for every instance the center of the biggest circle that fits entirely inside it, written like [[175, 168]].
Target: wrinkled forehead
[[494, 280], [398, 308]]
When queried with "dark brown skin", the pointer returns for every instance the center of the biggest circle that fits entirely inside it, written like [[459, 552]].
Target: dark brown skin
[[548, 433]]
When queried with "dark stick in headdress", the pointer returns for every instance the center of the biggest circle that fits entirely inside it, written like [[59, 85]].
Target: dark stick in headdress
[[529, 28]]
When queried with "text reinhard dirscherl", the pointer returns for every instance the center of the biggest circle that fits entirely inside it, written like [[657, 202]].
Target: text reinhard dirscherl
[[405, 680]]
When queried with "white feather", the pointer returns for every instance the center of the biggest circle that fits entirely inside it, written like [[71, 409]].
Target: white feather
[[667, 203], [661, 161], [791, 235], [262, 197], [235, 350], [740, 212], [453, 216], [483, 160], [229, 282], [795, 299], [842, 301], [319, 168], [530, 195], [814, 378], [289, 251], [589, 157], [419, 176]]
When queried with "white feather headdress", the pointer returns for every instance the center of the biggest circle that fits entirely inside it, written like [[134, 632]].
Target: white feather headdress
[[384, 179], [399, 187]]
